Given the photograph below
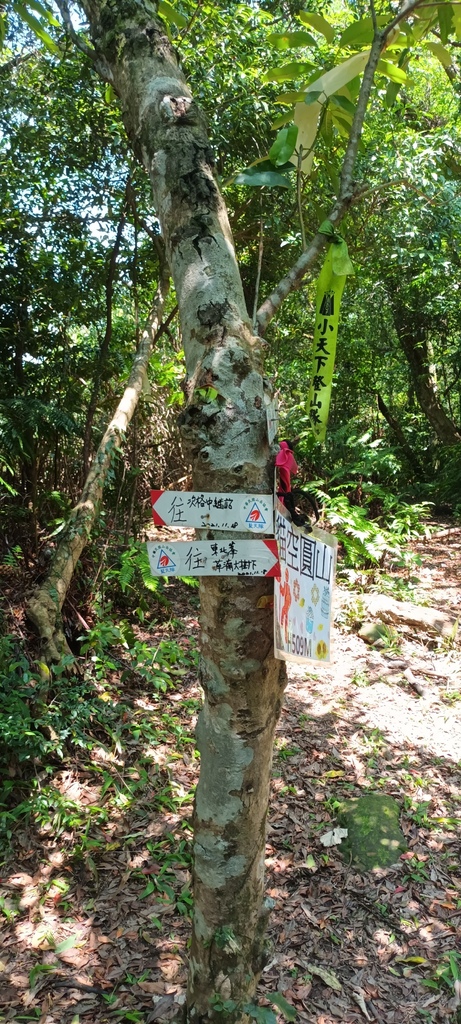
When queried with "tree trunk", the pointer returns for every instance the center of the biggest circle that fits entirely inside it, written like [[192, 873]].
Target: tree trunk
[[412, 459], [227, 439], [106, 341], [45, 605], [415, 347]]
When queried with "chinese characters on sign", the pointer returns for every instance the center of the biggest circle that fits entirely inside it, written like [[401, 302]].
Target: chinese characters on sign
[[302, 594], [213, 558], [323, 363], [330, 287], [253, 512]]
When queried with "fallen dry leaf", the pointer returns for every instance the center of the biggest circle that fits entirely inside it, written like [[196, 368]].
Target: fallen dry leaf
[[334, 837]]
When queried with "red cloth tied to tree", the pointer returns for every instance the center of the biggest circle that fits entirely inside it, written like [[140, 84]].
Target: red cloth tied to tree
[[286, 465]]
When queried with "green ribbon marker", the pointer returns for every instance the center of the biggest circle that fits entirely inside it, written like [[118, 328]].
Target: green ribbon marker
[[330, 285]]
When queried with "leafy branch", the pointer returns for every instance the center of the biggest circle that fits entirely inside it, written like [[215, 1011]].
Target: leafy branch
[[295, 275]]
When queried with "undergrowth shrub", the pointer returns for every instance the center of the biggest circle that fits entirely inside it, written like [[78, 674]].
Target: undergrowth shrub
[[367, 541], [48, 716]]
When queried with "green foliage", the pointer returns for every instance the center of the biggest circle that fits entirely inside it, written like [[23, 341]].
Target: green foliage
[[447, 973], [260, 1014], [446, 485], [133, 572], [39, 25], [45, 715], [367, 541]]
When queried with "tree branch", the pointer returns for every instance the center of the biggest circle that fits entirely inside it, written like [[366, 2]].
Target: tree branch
[[100, 65], [293, 279]]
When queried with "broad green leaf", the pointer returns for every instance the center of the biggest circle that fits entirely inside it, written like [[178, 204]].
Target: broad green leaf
[[287, 99], [264, 163], [361, 32], [440, 52], [327, 127], [340, 122], [327, 228], [260, 1014], [445, 16], [291, 40], [49, 17], [150, 888], [281, 121], [392, 92], [35, 26], [392, 71], [312, 97], [258, 178], [344, 103], [423, 23], [278, 999], [328, 977], [288, 72], [66, 944], [332, 81], [318, 23], [284, 145], [171, 14], [306, 118], [457, 21], [342, 116]]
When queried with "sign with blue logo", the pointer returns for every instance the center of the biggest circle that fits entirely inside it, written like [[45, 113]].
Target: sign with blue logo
[[214, 558], [212, 511]]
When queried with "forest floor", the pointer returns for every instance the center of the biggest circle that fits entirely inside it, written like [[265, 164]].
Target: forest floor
[[96, 908]]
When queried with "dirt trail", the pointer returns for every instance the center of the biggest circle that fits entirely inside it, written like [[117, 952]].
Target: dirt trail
[[346, 947], [355, 726]]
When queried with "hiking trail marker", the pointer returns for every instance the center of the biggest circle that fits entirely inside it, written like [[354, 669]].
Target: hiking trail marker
[[214, 558], [303, 593], [214, 511]]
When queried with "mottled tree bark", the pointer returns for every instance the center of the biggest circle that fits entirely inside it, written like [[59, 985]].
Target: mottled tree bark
[[227, 439]]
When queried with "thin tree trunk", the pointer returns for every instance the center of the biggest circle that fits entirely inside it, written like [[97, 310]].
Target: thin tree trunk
[[415, 347], [412, 459], [45, 605], [105, 344]]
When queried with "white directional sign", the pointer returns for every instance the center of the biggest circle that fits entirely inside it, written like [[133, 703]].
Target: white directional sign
[[212, 511], [302, 595], [211, 558]]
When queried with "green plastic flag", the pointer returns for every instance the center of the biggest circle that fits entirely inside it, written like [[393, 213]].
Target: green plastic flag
[[330, 287]]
